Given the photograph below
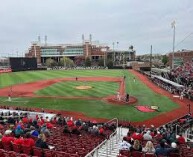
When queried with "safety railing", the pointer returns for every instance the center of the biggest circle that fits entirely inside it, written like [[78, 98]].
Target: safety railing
[[108, 143]]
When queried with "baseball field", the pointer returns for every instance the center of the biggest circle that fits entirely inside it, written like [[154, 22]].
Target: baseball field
[[57, 90]]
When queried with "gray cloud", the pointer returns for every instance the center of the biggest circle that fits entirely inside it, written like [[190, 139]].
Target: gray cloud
[[137, 22]]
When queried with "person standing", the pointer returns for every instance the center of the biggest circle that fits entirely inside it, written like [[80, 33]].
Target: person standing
[[134, 79], [127, 97], [9, 97], [118, 96]]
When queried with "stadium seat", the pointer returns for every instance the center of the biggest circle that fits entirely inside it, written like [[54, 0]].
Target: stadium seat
[[12, 154], [48, 153], [7, 147], [2, 151], [24, 155], [124, 152], [136, 154], [16, 148], [62, 154], [26, 150], [174, 155], [1, 145], [37, 152], [149, 155]]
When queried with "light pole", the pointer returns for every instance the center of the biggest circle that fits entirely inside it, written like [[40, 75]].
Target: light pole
[[150, 60], [174, 32], [113, 53], [104, 59]]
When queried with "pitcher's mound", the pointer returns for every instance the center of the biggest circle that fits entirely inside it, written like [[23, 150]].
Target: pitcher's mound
[[83, 87]]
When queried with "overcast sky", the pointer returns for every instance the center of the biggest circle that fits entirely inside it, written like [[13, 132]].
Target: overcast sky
[[138, 22]]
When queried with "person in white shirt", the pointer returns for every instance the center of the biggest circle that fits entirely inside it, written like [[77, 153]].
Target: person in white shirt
[[147, 136], [124, 145]]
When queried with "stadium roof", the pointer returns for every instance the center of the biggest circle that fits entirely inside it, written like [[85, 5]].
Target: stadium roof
[[168, 81]]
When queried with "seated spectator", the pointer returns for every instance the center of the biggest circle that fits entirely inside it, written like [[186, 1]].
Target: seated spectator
[[95, 130], [7, 138], [162, 149], [25, 119], [137, 135], [101, 130], [18, 139], [174, 148], [45, 130], [129, 139], [181, 139], [147, 136], [67, 130], [149, 148], [28, 141], [34, 132], [18, 130], [124, 145], [70, 123], [75, 130], [136, 146], [41, 142], [78, 122]]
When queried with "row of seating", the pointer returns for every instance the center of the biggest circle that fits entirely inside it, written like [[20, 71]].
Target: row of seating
[[125, 153]]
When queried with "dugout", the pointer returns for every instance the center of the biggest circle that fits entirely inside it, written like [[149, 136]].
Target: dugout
[[22, 63]]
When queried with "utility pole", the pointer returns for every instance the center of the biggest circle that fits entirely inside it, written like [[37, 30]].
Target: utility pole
[[174, 34], [150, 60], [113, 53]]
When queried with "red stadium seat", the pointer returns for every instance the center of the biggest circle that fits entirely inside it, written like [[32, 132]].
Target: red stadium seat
[[149, 155], [16, 148], [37, 152], [174, 155], [48, 153], [136, 154], [7, 147], [26, 150]]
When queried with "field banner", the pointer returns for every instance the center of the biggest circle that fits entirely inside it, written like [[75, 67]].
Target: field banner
[[5, 70]]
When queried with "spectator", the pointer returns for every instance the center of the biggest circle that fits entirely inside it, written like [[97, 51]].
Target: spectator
[[137, 135], [34, 132], [124, 145], [28, 141], [149, 148], [19, 130], [45, 130], [136, 146], [7, 138], [162, 149], [41, 142], [181, 139], [174, 148], [147, 136], [18, 139]]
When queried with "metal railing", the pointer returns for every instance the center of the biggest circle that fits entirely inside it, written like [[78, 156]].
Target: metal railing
[[189, 134], [108, 142]]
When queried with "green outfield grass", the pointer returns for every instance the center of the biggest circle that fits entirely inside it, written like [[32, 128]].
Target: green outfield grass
[[68, 88], [93, 108]]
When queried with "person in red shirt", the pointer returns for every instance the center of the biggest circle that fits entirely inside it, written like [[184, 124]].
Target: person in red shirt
[[7, 138], [28, 141], [18, 139], [49, 125], [25, 120], [181, 139], [137, 136], [70, 123], [101, 131]]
